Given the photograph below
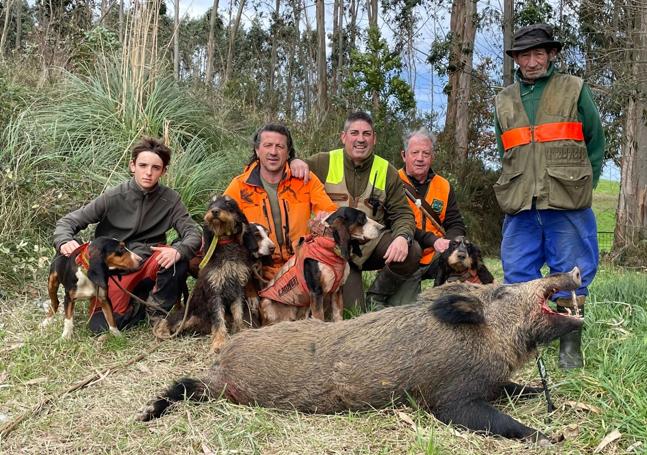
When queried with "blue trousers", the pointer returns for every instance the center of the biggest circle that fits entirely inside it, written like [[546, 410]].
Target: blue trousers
[[560, 239]]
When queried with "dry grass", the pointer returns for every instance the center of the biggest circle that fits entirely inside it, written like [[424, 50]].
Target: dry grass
[[36, 365]]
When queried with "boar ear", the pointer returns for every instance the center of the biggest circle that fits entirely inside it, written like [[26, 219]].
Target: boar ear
[[458, 309]]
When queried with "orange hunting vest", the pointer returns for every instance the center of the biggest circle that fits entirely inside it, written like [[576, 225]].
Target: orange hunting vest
[[437, 197]]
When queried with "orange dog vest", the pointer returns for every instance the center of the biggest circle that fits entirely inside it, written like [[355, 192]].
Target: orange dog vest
[[289, 285]]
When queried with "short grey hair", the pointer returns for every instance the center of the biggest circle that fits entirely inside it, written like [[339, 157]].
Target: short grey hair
[[420, 132]]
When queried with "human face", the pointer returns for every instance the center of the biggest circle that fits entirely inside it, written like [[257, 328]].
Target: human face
[[358, 140], [272, 152], [534, 62], [418, 157], [147, 169]]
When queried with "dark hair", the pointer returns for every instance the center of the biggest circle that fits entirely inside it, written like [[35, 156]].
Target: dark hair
[[358, 115], [156, 146], [273, 128]]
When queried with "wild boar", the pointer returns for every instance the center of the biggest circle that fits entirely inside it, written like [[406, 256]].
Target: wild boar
[[452, 351]]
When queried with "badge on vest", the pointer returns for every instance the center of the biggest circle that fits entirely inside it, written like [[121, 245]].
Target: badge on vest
[[437, 205]]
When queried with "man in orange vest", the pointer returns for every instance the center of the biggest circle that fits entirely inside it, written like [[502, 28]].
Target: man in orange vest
[[429, 195], [551, 144]]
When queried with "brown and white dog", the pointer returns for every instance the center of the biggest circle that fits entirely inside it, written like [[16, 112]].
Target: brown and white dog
[[84, 275], [225, 279], [462, 261], [318, 269]]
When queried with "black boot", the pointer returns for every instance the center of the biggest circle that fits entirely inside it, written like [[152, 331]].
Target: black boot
[[570, 345], [385, 285]]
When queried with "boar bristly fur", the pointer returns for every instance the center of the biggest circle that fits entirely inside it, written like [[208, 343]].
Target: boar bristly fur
[[452, 352]]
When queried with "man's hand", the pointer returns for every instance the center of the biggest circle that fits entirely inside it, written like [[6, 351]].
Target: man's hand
[[441, 245], [69, 247], [397, 251], [167, 257], [300, 170]]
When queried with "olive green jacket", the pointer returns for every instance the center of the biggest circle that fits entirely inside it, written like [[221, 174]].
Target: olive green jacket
[[139, 218], [398, 216]]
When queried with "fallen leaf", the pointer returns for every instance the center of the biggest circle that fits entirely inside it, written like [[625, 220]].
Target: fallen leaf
[[406, 419], [3, 376], [571, 431], [634, 446], [4, 418], [36, 381], [608, 439], [583, 407], [143, 368], [206, 450]]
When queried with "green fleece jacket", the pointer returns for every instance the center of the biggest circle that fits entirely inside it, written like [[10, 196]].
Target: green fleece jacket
[[587, 112], [139, 218], [399, 218]]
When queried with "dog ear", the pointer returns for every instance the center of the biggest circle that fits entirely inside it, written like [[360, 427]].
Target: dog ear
[[207, 237], [354, 246], [97, 269], [342, 237], [249, 238]]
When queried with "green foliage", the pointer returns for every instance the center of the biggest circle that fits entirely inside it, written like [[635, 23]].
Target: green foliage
[[96, 42], [378, 71]]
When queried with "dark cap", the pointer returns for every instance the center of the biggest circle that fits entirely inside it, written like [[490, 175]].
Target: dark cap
[[532, 37]]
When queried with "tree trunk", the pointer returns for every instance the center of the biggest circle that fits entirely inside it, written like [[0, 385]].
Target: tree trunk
[[233, 32], [508, 24], [211, 42], [5, 28], [340, 48], [371, 6], [322, 74], [121, 21], [631, 224], [271, 71], [335, 35], [463, 30], [296, 38], [176, 41], [353, 7]]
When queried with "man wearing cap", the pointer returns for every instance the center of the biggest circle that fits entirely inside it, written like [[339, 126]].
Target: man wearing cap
[[551, 144]]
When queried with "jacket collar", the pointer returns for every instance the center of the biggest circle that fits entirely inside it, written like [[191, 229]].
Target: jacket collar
[[364, 165], [541, 80], [252, 174], [133, 186]]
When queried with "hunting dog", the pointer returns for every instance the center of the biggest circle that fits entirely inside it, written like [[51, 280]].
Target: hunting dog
[[227, 272], [462, 261], [84, 275], [318, 269]]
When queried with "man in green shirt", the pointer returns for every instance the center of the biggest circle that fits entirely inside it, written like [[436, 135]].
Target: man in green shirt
[[551, 143]]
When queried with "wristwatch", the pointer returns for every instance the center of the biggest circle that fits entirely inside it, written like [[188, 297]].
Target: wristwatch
[[408, 238]]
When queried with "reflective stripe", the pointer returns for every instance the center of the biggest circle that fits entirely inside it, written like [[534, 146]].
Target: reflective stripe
[[559, 131], [336, 167], [336, 170], [516, 137], [547, 132]]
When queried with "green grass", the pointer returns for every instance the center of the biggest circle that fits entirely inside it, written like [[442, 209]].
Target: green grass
[[36, 364], [605, 202]]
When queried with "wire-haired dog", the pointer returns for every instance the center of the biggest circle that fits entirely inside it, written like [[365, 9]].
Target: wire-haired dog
[[234, 246], [462, 261], [84, 275], [318, 269]]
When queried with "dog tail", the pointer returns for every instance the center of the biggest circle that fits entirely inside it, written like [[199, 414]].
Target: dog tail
[[183, 389]]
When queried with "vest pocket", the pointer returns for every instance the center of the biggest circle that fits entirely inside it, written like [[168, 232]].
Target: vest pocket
[[510, 192], [570, 188]]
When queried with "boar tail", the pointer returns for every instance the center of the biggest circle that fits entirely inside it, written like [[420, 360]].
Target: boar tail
[[458, 309], [183, 389]]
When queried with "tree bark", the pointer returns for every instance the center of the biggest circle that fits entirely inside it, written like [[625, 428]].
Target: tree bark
[[211, 42], [631, 224], [508, 24], [271, 71], [372, 12], [233, 32], [463, 31], [176, 41], [5, 28], [322, 74]]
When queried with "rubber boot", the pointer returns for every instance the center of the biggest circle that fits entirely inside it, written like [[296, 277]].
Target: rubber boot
[[385, 285], [570, 345]]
